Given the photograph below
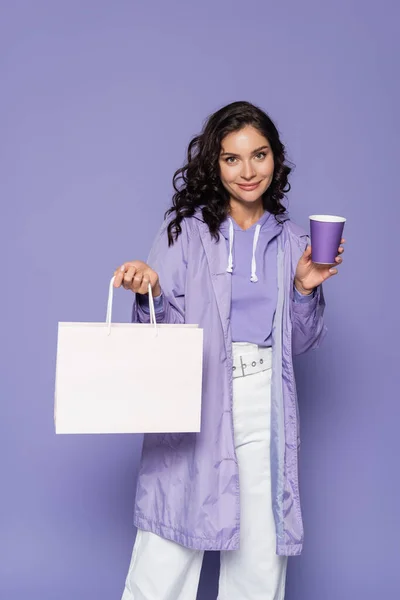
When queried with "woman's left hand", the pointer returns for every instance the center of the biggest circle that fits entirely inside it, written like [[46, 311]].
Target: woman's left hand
[[309, 275]]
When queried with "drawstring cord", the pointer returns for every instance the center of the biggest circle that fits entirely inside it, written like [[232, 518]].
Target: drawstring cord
[[254, 277], [229, 269], [231, 235]]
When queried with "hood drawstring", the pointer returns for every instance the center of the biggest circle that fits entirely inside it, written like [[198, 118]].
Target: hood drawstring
[[229, 269], [254, 277], [231, 236]]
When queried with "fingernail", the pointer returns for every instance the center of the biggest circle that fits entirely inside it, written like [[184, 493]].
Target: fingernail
[[122, 269]]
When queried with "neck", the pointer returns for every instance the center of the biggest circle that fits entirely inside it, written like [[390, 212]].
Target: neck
[[246, 214]]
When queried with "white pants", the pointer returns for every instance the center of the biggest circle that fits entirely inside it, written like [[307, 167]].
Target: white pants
[[163, 570]]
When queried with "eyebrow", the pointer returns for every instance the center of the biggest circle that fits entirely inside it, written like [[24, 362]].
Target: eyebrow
[[238, 156]]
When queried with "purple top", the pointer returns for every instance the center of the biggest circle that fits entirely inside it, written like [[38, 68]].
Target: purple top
[[253, 264]]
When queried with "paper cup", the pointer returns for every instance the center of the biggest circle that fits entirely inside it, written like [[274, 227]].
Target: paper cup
[[326, 233]]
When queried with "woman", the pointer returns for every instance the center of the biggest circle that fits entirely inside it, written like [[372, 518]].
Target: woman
[[229, 259]]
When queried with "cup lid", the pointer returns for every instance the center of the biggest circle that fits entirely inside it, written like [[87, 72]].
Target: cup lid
[[327, 218]]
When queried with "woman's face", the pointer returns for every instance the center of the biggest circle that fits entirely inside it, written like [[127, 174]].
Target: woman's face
[[246, 164]]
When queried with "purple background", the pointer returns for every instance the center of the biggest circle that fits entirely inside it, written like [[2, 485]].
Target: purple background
[[98, 101]]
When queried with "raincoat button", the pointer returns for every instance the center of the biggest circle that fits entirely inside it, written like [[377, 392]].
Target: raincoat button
[[253, 364], [261, 361]]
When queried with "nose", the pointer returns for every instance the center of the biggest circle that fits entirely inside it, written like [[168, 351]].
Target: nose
[[248, 171]]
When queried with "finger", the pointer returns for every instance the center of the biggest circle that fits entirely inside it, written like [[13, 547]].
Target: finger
[[137, 282], [153, 279], [122, 269], [333, 271], [128, 278], [339, 259], [144, 288], [119, 276], [307, 252]]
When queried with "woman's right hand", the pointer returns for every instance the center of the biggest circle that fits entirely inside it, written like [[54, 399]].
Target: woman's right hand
[[136, 276]]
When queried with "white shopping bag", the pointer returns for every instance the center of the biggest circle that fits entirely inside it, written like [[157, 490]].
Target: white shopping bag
[[128, 378]]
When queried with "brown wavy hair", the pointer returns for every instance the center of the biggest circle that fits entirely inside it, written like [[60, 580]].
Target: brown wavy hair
[[198, 185]]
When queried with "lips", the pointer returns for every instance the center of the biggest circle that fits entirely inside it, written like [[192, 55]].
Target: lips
[[248, 187]]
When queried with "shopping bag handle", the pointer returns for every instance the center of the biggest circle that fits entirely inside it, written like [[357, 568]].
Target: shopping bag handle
[[110, 303]]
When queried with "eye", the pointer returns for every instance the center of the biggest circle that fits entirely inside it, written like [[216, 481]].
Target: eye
[[230, 160], [261, 155]]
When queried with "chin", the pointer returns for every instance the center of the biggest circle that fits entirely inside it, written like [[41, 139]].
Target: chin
[[250, 197]]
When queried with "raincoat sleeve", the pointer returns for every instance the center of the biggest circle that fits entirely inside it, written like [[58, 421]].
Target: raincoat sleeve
[[170, 262], [308, 328], [298, 297]]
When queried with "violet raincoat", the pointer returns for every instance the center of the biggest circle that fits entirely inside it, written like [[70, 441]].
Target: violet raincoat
[[188, 484]]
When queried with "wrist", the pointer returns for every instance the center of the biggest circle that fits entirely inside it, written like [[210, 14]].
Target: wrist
[[301, 289]]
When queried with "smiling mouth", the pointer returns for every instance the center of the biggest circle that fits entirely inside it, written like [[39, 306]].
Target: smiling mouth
[[249, 186]]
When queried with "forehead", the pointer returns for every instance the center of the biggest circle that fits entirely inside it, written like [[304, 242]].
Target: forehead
[[245, 140]]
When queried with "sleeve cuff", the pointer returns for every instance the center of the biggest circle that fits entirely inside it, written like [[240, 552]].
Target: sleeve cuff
[[143, 302], [300, 298]]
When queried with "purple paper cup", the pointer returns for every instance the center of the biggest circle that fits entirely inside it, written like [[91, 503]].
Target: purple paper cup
[[326, 233]]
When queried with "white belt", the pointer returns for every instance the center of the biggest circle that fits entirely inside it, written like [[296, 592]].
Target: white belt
[[249, 359]]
